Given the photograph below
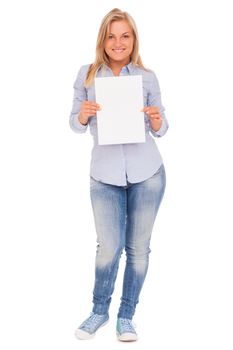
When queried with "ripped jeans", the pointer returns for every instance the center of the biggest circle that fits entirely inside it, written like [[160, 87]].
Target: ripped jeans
[[124, 217]]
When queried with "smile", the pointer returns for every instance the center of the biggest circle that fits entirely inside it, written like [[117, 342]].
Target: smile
[[118, 50]]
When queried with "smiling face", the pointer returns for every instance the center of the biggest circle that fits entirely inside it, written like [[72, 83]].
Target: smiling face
[[119, 42]]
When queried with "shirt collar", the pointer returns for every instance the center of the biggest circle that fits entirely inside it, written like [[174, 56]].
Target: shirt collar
[[130, 67]]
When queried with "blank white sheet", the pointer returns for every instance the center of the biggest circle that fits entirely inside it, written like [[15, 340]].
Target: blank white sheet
[[120, 119]]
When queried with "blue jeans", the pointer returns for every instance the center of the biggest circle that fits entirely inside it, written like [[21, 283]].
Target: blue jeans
[[124, 217]]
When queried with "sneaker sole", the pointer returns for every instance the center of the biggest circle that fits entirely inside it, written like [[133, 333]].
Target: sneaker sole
[[82, 335], [127, 336]]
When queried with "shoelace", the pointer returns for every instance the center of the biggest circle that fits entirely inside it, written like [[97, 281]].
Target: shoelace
[[91, 322], [127, 325]]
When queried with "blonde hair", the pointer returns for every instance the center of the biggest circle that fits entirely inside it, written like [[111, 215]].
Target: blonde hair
[[101, 56]]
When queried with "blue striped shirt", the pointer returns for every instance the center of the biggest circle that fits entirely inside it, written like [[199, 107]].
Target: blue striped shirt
[[121, 163]]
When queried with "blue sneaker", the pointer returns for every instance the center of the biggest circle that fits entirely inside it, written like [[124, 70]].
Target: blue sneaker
[[88, 328], [125, 330]]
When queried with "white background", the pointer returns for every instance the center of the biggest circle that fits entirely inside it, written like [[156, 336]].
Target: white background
[[48, 243]]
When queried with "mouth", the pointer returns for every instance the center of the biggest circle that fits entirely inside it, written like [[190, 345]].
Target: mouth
[[118, 50]]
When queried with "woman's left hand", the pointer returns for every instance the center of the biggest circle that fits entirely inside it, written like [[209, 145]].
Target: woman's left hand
[[154, 116]]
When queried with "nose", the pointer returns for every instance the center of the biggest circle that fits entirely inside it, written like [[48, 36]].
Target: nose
[[117, 42]]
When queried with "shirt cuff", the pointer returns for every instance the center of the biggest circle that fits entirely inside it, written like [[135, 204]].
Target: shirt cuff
[[76, 125], [161, 131]]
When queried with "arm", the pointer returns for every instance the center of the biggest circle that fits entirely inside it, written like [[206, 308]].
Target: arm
[[80, 95], [157, 128]]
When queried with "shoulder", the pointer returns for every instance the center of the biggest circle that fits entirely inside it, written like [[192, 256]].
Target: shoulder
[[83, 70], [82, 74], [149, 79], [148, 75]]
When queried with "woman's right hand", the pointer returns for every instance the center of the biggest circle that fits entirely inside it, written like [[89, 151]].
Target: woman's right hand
[[88, 109]]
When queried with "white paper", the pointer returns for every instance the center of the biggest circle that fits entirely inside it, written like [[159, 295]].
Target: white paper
[[120, 119]]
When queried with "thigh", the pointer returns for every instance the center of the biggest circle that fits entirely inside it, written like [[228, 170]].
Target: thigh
[[143, 201], [109, 209]]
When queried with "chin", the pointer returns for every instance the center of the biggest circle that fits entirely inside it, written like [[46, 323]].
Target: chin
[[118, 58]]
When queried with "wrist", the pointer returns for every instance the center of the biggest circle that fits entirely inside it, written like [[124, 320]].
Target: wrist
[[156, 124], [82, 119]]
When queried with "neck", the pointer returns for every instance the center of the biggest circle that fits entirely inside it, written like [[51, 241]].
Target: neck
[[116, 67]]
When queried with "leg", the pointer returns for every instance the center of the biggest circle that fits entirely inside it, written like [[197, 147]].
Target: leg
[[109, 208], [144, 199]]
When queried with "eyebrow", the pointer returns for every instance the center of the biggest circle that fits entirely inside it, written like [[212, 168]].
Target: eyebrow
[[121, 34]]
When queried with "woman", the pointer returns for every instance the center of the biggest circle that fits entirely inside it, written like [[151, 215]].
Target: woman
[[127, 181]]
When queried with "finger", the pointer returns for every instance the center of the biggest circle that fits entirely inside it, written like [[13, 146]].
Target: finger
[[93, 108], [150, 109], [98, 107], [155, 116], [92, 104], [153, 111], [145, 109], [89, 111]]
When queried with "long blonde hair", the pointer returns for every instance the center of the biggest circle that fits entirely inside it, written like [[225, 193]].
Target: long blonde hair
[[101, 56]]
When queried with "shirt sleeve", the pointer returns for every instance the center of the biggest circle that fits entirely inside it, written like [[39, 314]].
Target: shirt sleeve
[[154, 99], [80, 95]]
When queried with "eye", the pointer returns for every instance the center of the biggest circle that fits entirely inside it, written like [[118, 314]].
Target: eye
[[126, 36], [110, 37]]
